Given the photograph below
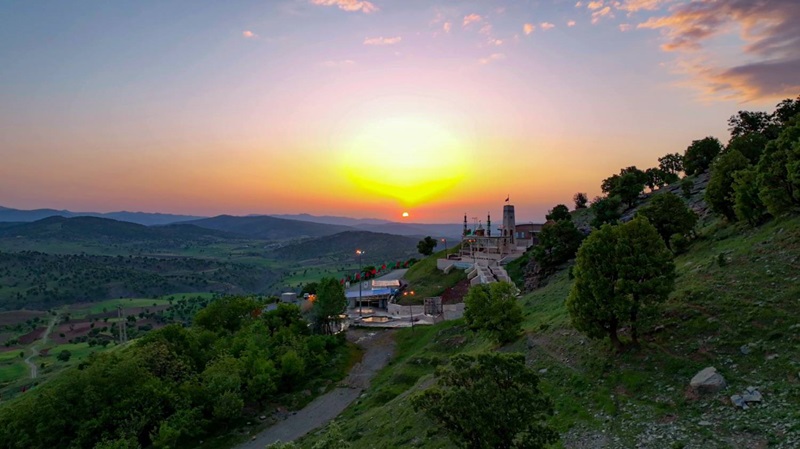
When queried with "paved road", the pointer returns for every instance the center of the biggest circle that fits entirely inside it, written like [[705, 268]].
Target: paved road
[[35, 348], [379, 347]]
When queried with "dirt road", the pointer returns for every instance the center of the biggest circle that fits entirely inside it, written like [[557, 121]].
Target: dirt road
[[35, 348], [379, 348]]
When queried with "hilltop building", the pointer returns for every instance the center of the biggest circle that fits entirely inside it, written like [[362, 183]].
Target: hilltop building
[[483, 254]]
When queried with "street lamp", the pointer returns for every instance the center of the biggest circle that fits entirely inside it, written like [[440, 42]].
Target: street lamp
[[359, 252], [444, 240], [410, 308]]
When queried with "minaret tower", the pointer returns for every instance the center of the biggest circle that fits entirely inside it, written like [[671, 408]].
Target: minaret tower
[[488, 224], [464, 233]]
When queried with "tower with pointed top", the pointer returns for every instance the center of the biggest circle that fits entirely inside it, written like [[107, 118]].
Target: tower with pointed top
[[488, 224], [464, 233]]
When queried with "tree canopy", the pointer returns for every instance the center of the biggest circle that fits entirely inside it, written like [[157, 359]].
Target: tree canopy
[[329, 305], [580, 200], [619, 270], [494, 309], [700, 154], [558, 213], [669, 215], [426, 246], [489, 401], [719, 192]]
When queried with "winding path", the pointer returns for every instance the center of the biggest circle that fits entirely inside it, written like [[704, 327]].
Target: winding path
[[378, 346], [35, 347]]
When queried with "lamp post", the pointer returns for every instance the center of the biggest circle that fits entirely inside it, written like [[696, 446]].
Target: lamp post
[[410, 308], [444, 240], [359, 252]]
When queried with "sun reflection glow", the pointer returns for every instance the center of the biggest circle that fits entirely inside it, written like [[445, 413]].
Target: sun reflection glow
[[410, 160]]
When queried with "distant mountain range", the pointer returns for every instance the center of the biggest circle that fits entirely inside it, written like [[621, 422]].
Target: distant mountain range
[[143, 218], [269, 227], [76, 229]]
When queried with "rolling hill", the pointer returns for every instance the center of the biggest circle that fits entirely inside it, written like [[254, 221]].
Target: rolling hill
[[379, 248], [267, 228], [144, 218]]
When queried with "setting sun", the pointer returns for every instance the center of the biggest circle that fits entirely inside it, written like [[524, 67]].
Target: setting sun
[[408, 159], [405, 214]]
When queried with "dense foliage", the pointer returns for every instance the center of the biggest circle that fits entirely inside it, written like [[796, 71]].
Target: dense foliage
[[558, 242], [33, 279], [328, 307], [719, 192], [700, 154], [494, 309], [489, 401], [619, 271], [174, 385], [426, 246], [605, 211], [670, 216]]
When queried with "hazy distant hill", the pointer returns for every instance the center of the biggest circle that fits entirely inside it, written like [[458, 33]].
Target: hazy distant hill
[[105, 230], [329, 219], [144, 218], [268, 228], [451, 231], [378, 248]]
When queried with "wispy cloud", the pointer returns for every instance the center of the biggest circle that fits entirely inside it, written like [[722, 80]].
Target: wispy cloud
[[546, 26], [571, 23], [579, 5], [528, 28], [770, 38], [247, 34], [600, 13], [492, 58], [349, 5], [640, 5], [382, 40], [447, 26], [472, 18], [486, 29], [337, 63], [625, 27], [595, 5]]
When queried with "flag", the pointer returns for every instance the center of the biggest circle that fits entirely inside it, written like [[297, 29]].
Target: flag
[[508, 198]]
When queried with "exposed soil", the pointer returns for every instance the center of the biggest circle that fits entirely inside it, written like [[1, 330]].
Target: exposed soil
[[456, 293]]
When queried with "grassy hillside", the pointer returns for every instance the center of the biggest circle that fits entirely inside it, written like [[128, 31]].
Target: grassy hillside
[[426, 280], [735, 307]]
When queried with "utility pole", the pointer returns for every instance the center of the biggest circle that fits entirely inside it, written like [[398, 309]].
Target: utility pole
[[360, 253]]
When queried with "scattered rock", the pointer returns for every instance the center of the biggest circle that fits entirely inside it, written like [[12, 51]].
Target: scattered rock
[[704, 423], [745, 349], [749, 396], [772, 356], [262, 417], [708, 381], [543, 371]]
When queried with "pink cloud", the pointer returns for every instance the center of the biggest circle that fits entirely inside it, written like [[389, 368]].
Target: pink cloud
[[382, 40], [349, 5], [528, 28], [492, 58], [595, 5], [472, 18], [571, 23], [770, 39], [625, 27], [546, 26], [447, 26], [247, 34]]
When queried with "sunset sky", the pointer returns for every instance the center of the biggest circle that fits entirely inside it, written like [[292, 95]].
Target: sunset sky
[[369, 108]]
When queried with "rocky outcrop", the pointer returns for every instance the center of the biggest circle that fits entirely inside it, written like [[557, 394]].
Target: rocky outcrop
[[707, 381]]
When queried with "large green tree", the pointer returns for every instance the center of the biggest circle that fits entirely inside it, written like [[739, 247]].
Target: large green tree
[[719, 192], [749, 145], [779, 172], [494, 309], [559, 213], [747, 204], [669, 215], [700, 154], [605, 211], [558, 242], [489, 401], [329, 305], [426, 246], [619, 271], [671, 163]]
